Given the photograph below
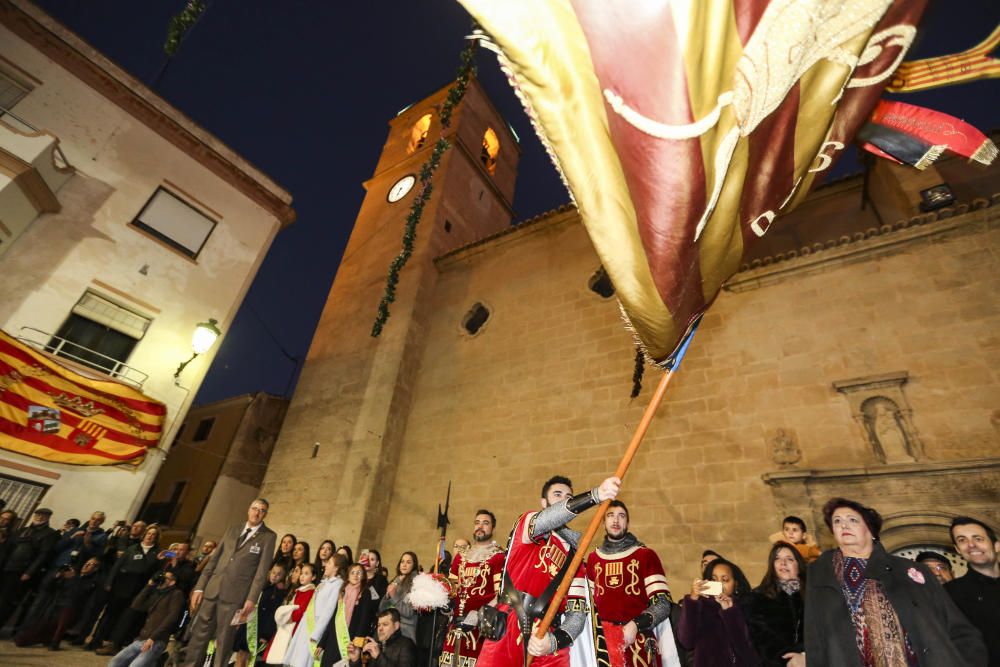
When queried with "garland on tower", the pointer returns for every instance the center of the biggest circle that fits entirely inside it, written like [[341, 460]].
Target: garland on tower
[[454, 96]]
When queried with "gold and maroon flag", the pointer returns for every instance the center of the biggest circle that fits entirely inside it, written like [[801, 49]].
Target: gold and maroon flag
[[51, 412], [682, 128]]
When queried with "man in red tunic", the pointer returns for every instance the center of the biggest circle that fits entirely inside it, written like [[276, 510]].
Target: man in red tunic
[[631, 596], [475, 578], [540, 549]]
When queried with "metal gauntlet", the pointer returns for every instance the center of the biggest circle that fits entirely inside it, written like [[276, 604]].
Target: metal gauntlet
[[563, 640], [583, 501]]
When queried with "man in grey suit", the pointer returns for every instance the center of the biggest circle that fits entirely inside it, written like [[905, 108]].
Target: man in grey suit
[[230, 583]]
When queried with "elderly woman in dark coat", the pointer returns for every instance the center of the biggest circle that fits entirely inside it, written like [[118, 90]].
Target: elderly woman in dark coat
[[865, 608], [776, 612], [714, 627]]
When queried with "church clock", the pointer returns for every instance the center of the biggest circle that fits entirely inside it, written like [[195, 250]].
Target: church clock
[[400, 188]]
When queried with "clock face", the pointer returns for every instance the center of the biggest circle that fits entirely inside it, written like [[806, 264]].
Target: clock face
[[400, 188]]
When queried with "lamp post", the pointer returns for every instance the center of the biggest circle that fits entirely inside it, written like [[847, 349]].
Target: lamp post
[[205, 335]]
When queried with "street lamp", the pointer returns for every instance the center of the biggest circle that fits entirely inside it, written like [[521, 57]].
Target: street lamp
[[205, 335]]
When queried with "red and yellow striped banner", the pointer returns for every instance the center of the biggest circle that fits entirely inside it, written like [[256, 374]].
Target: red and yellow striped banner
[[54, 413], [683, 128]]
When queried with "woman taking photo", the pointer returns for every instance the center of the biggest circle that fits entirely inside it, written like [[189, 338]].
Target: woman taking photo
[[775, 612], [866, 608], [713, 625], [399, 588]]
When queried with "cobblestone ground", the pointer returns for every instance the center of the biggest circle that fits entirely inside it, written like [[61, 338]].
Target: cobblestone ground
[[12, 656]]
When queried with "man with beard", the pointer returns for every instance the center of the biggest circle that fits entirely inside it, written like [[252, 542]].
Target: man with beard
[[631, 595], [476, 573], [540, 551]]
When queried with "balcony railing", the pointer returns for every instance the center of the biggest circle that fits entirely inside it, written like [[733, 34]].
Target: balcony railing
[[91, 359], [6, 115]]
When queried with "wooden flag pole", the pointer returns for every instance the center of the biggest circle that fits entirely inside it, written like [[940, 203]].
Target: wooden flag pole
[[598, 518]]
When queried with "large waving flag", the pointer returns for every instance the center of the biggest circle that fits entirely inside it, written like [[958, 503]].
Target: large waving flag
[[682, 128], [53, 413]]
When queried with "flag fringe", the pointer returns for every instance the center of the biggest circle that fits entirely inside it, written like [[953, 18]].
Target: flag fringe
[[931, 156], [986, 153]]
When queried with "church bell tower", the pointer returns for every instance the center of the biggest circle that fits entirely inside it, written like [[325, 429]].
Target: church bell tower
[[334, 465]]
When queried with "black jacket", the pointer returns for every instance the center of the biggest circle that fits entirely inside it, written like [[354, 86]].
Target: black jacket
[[397, 651], [28, 550], [184, 572], [978, 596], [131, 571], [362, 625], [939, 634], [776, 626], [164, 609]]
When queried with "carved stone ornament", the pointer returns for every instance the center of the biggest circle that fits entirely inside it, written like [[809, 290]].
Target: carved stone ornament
[[885, 419], [784, 448]]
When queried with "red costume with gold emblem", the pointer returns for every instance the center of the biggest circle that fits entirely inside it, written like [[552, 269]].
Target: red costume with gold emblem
[[532, 564], [624, 585], [475, 578]]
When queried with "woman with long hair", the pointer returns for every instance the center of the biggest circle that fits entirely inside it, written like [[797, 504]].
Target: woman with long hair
[[300, 557], [355, 616], [713, 626], [776, 613], [395, 595], [283, 554], [325, 552]]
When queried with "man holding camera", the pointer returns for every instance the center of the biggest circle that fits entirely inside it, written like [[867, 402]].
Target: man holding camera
[[79, 545], [391, 650], [163, 603]]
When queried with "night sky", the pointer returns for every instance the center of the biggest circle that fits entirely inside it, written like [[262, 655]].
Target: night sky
[[304, 89]]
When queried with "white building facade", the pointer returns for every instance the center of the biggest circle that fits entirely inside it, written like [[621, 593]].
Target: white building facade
[[122, 226]]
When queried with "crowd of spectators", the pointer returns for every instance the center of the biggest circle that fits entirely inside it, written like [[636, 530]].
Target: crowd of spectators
[[852, 605], [119, 593]]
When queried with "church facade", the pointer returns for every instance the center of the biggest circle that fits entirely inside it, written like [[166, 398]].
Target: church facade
[[856, 354]]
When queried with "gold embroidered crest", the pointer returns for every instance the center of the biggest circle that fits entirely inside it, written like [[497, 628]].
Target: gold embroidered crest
[[613, 575]]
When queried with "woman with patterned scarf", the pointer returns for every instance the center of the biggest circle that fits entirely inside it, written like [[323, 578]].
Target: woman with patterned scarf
[[776, 611], [866, 608]]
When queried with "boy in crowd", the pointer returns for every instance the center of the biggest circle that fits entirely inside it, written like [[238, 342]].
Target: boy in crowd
[[793, 531]]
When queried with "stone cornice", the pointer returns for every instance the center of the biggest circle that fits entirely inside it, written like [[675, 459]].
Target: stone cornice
[[565, 213], [80, 59], [924, 468], [875, 241]]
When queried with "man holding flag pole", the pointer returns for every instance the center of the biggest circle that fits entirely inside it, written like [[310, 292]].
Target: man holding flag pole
[[539, 555]]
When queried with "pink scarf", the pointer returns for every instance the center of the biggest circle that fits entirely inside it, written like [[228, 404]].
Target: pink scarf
[[351, 595]]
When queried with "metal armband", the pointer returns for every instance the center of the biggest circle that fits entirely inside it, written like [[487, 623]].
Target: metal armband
[[583, 501]]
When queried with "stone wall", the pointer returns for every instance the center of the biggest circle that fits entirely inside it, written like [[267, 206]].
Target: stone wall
[[543, 388]]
